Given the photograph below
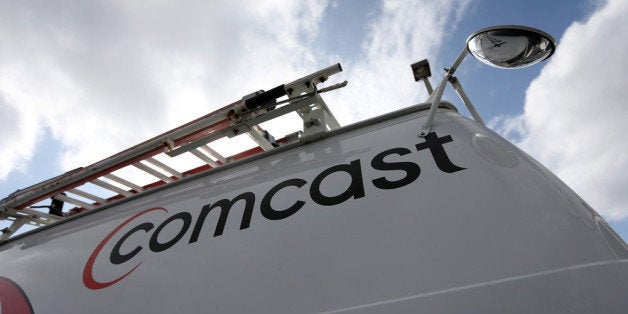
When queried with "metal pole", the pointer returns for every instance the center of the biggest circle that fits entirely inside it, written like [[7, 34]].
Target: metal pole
[[458, 88], [428, 86], [438, 93]]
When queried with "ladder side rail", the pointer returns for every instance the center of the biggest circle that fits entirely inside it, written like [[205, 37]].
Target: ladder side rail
[[125, 158], [7, 201]]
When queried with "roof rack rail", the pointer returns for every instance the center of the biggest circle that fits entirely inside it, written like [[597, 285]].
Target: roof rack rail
[[156, 157]]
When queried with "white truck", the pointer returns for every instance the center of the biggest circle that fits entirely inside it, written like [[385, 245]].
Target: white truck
[[420, 210]]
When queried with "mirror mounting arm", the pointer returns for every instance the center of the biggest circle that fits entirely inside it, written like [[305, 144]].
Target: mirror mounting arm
[[436, 96], [465, 99]]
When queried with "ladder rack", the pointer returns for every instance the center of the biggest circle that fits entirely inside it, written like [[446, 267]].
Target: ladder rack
[[88, 188]]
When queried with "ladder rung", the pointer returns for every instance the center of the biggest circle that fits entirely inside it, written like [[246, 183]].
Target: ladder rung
[[152, 171], [164, 167], [203, 157], [88, 195], [111, 187], [214, 153], [74, 201], [117, 179]]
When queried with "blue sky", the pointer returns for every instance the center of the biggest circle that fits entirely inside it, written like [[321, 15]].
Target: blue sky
[[75, 75]]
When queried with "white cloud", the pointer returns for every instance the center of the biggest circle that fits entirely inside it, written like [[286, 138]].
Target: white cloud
[[404, 32], [575, 113], [16, 128], [105, 75]]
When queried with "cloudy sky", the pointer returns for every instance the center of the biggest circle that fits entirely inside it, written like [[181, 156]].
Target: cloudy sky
[[81, 80]]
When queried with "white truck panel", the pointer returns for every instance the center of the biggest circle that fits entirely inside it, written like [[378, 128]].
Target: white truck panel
[[398, 228]]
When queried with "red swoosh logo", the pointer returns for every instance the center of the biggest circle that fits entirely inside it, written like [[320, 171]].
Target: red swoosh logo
[[13, 299], [88, 278]]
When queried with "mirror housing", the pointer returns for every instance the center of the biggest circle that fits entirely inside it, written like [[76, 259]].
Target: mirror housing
[[511, 46]]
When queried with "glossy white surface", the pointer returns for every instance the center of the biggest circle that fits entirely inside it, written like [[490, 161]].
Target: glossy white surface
[[501, 235]]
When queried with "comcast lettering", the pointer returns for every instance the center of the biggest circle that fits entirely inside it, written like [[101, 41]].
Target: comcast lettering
[[192, 226]]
